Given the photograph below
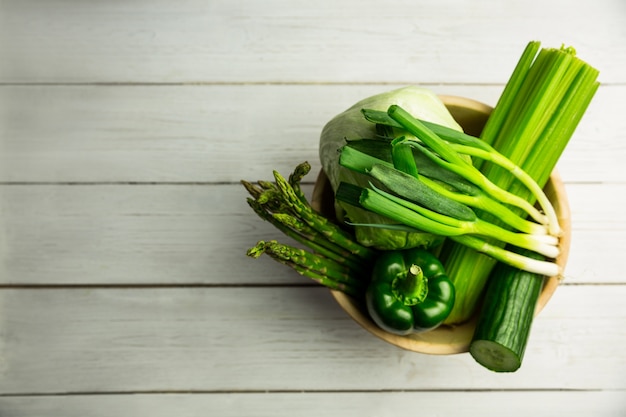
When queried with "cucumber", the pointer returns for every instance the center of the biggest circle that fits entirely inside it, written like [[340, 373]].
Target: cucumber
[[506, 317]]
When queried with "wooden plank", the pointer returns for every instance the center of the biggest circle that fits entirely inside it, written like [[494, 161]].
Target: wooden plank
[[111, 234], [277, 339], [279, 41], [192, 234], [314, 404], [225, 133]]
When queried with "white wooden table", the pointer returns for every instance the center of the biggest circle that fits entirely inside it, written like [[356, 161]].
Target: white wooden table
[[125, 127]]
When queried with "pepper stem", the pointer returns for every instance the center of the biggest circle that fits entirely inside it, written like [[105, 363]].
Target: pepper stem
[[411, 288]]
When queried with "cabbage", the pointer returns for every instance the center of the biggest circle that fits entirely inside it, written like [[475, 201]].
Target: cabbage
[[351, 124]]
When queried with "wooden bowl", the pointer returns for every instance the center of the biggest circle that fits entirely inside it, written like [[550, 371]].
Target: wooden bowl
[[445, 340]]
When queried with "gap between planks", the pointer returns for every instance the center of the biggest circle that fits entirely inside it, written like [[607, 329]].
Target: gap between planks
[[208, 285], [338, 391]]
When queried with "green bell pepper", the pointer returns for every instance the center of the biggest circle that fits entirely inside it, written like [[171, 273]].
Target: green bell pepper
[[409, 292]]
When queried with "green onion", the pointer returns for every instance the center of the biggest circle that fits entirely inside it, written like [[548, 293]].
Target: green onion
[[420, 219], [430, 192], [449, 159], [507, 257], [416, 191], [416, 216], [475, 147], [481, 201], [359, 161], [431, 207], [402, 157], [522, 176]]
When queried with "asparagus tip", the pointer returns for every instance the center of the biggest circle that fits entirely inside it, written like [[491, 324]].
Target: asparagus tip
[[257, 250]]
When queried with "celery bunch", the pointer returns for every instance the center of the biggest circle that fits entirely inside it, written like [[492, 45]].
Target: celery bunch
[[532, 123]]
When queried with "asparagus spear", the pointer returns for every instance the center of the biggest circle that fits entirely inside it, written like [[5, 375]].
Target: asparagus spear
[[322, 270], [334, 258]]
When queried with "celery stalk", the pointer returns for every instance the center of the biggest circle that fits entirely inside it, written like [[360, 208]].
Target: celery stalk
[[508, 96]]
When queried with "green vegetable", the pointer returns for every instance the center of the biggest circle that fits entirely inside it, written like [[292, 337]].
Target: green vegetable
[[362, 155], [325, 271], [408, 186], [418, 218], [504, 323], [409, 292], [350, 125], [334, 258], [412, 202], [406, 177], [533, 121], [448, 157]]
